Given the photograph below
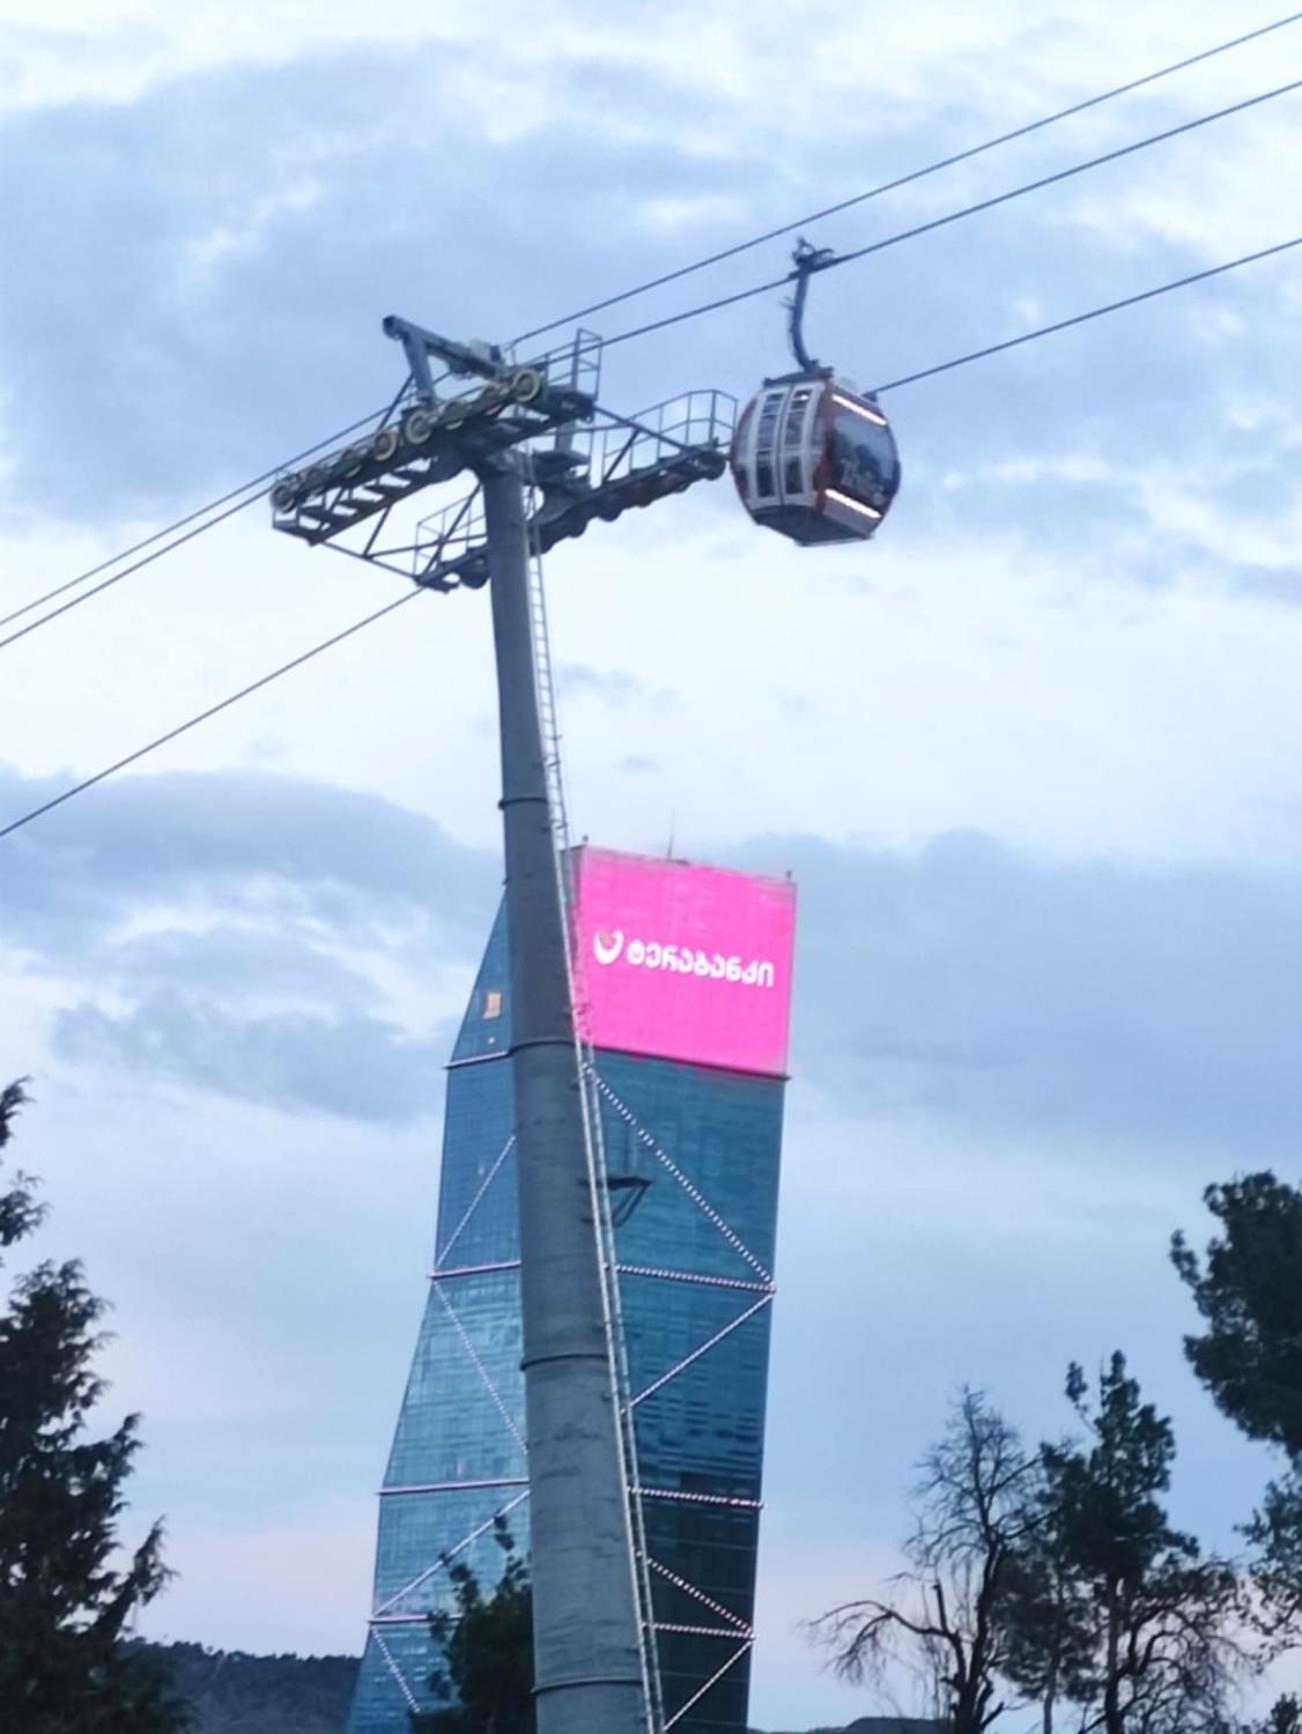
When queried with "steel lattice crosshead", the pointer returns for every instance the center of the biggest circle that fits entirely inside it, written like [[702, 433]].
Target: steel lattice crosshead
[[549, 458], [584, 461]]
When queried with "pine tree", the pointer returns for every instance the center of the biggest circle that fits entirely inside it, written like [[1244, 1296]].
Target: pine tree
[[1285, 1718], [1048, 1627], [1249, 1356], [64, 1607], [1157, 1627], [1247, 1290]]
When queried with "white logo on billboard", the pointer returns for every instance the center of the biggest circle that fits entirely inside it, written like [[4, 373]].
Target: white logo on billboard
[[607, 946], [682, 960]]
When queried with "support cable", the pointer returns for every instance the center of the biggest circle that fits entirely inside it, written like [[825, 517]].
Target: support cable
[[259, 482], [683, 271], [973, 210], [212, 710], [724, 301], [1093, 313], [948, 162], [126, 571], [379, 613]]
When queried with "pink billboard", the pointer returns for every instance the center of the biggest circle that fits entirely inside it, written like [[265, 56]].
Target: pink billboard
[[684, 963]]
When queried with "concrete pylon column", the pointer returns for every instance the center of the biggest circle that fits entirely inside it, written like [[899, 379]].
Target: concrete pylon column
[[588, 1671]]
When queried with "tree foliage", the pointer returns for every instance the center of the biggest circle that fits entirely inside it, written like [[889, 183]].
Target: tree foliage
[[1155, 1624], [1247, 1287], [1055, 1579], [974, 1504], [1247, 1290], [485, 1684], [1049, 1633], [230, 1692], [64, 1603], [1285, 1718]]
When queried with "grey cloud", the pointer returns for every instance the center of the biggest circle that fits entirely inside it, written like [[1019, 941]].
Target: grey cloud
[[965, 988], [202, 374], [1091, 513], [1138, 1005], [358, 1067], [1028, 1070], [1273, 586], [615, 685], [964, 981], [251, 839], [104, 204], [1104, 511], [240, 962], [282, 869]]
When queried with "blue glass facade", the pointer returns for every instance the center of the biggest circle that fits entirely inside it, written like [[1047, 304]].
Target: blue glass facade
[[693, 1155]]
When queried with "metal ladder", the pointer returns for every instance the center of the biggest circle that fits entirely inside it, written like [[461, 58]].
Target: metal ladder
[[598, 1180]]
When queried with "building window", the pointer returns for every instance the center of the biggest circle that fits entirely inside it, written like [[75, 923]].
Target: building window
[[493, 1003]]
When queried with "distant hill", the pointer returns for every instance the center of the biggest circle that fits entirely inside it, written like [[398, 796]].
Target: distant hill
[[232, 1693], [896, 1725]]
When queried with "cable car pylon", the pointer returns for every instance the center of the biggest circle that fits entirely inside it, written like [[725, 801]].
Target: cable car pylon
[[548, 460]]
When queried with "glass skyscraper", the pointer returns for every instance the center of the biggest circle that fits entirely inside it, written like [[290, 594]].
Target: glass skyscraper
[[684, 962]]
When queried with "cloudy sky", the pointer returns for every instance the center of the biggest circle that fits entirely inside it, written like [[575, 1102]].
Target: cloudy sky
[[1032, 756]]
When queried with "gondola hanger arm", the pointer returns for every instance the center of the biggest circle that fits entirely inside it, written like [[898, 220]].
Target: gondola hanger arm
[[806, 260]]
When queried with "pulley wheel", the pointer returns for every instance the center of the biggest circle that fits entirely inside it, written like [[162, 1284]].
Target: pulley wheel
[[418, 427]]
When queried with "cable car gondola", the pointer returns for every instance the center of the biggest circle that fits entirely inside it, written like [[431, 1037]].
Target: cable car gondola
[[813, 457]]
